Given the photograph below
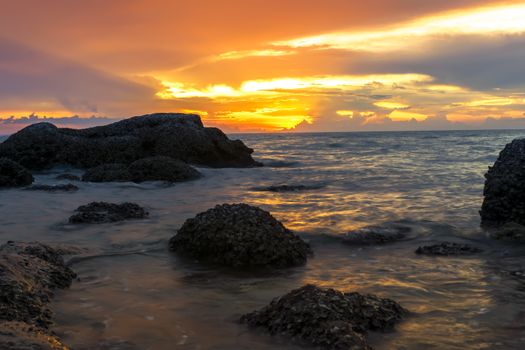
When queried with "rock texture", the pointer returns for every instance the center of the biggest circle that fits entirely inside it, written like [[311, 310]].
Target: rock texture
[[29, 273], [102, 212], [504, 193], [13, 174], [69, 177], [158, 168], [53, 188], [180, 136], [327, 318], [511, 231], [240, 235], [375, 235], [448, 248]]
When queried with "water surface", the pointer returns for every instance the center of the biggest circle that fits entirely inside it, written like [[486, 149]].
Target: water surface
[[134, 294]]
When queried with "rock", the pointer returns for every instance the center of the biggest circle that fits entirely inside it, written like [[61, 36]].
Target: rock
[[288, 188], [148, 169], [504, 192], [107, 173], [69, 177], [53, 188], [22, 336], [179, 136], [13, 174], [448, 248], [29, 272], [511, 231], [327, 318], [240, 235], [376, 235], [102, 212]]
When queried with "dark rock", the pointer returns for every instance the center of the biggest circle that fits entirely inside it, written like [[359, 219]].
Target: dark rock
[[148, 169], [29, 272], [375, 235], [107, 173], [102, 212], [327, 318], [179, 136], [13, 174], [22, 336], [448, 248], [53, 188], [511, 231], [288, 188], [504, 192], [69, 177], [240, 235]]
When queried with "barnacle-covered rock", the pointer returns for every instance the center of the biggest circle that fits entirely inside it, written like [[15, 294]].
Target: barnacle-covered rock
[[240, 235], [327, 318], [102, 212]]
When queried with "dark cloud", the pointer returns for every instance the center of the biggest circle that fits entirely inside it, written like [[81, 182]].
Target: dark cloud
[[30, 78]]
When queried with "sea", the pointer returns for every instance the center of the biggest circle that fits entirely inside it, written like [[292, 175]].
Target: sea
[[132, 293]]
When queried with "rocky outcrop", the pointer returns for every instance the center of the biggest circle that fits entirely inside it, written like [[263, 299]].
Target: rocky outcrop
[[374, 235], [69, 177], [511, 232], [148, 169], [22, 336], [29, 273], [240, 235], [102, 212], [53, 188], [179, 136], [504, 192], [13, 174], [448, 249], [327, 318]]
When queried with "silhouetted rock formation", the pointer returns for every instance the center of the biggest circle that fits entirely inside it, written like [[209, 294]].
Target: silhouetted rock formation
[[148, 169], [53, 188], [69, 177], [240, 235], [102, 212], [327, 318], [375, 235], [13, 174], [504, 191], [29, 272], [448, 248], [180, 136], [511, 231]]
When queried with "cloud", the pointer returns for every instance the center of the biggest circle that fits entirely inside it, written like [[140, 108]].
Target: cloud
[[34, 80]]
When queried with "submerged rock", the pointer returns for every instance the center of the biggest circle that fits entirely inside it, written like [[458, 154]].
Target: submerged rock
[[13, 174], [180, 136], [326, 317], [240, 235], [288, 188], [504, 192], [148, 169], [53, 188], [69, 177], [376, 235], [22, 336], [511, 231], [448, 248], [29, 272], [102, 212]]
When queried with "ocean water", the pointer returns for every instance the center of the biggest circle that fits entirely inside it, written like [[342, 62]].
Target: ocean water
[[132, 293]]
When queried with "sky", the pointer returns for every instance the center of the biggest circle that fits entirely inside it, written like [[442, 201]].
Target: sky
[[265, 65]]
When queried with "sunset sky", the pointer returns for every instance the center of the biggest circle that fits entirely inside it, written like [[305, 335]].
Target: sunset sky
[[265, 65]]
